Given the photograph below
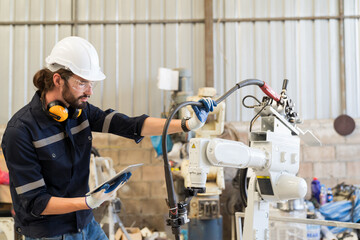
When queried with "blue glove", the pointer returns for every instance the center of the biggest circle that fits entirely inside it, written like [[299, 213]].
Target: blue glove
[[105, 187], [201, 113], [120, 180], [106, 192], [95, 199]]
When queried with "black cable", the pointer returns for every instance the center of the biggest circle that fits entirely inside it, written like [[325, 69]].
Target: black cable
[[241, 84], [243, 182], [173, 212], [258, 114], [95, 152], [248, 106]]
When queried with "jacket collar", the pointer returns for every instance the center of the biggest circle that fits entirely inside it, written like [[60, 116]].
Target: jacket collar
[[37, 109]]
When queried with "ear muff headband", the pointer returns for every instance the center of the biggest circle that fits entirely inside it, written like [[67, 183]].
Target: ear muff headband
[[78, 113], [74, 113]]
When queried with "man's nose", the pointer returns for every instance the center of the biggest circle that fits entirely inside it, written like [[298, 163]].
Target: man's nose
[[89, 90]]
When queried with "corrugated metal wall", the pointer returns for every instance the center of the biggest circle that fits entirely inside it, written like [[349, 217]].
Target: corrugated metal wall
[[130, 54], [278, 39], [352, 57], [270, 40]]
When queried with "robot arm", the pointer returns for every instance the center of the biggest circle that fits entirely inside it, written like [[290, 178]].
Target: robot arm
[[273, 154], [274, 182], [204, 153], [224, 153]]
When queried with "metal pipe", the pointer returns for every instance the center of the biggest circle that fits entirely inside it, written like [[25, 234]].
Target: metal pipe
[[177, 21], [74, 17], [342, 59], [283, 19], [103, 22], [308, 221], [209, 48]]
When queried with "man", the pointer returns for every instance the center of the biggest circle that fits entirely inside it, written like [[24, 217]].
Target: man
[[47, 145]]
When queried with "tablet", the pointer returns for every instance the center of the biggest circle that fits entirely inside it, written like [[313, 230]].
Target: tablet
[[113, 180]]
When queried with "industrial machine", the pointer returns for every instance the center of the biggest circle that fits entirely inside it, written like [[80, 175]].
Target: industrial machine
[[273, 155], [7, 231], [204, 210]]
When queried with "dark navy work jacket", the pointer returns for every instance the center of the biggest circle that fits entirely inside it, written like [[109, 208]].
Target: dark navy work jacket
[[46, 158]]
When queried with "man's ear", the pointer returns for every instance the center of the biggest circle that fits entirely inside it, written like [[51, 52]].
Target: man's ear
[[57, 79]]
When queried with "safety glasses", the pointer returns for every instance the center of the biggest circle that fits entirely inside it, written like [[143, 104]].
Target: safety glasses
[[81, 85]]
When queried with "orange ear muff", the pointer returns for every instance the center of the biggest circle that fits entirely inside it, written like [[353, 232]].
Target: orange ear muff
[[58, 111]]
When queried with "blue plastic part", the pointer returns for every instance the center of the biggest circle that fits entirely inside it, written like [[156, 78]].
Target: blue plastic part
[[157, 144], [342, 211], [184, 233]]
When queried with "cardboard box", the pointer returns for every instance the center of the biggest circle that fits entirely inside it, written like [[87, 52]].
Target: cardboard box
[[134, 234], [3, 166], [5, 196]]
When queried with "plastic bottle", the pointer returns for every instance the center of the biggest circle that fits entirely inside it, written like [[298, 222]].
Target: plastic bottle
[[329, 197], [322, 195], [315, 189]]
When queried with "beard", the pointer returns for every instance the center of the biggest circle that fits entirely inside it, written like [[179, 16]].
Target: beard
[[71, 99]]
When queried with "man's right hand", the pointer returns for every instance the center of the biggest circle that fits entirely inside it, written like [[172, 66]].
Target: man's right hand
[[107, 192], [95, 199]]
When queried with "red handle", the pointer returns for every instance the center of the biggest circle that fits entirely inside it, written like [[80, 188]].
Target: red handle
[[270, 92]]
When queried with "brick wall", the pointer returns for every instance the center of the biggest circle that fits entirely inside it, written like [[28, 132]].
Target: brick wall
[[337, 160], [143, 196]]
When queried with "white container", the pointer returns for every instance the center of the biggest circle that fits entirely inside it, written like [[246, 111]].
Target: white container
[[287, 230]]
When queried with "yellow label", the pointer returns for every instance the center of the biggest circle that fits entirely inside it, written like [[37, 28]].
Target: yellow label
[[264, 177], [193, 146]]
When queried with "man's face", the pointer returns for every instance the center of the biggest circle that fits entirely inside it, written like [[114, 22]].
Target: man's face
[[76, 91]]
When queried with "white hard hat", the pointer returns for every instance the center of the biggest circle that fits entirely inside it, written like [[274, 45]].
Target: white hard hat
[[77, 55]]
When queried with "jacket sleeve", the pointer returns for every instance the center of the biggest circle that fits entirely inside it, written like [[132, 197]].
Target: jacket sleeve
[[111, 121], [27, 183]]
